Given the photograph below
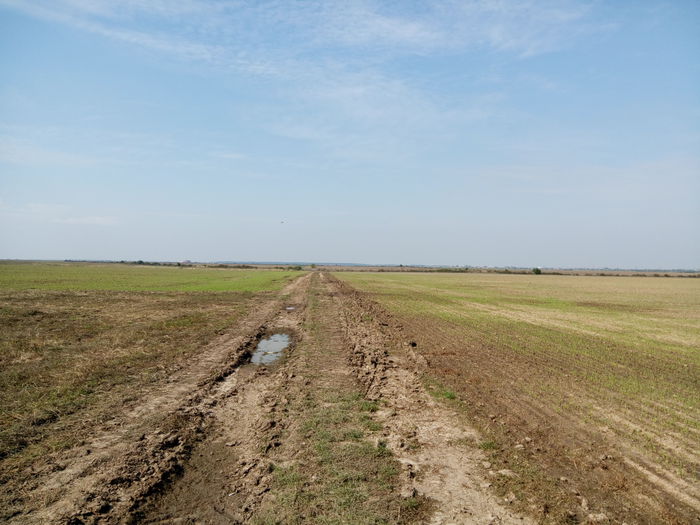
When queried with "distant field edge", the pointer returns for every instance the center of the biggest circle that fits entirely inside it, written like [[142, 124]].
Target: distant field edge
[[63, 276], [360, 267]]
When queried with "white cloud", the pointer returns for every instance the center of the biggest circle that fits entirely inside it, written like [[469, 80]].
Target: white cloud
[[361, 24], [328, 57], [522, 27], [265, 35], [175, 42]]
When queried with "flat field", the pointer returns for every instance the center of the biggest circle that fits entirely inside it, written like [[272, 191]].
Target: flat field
[[127, 394], [136, 278], [602, 373], [79, 341]]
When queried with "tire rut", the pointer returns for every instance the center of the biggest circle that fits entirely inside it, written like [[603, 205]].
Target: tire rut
[[227, 425], [109, 478], [437, 450]]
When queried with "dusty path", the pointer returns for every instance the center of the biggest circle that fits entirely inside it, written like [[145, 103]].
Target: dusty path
[[341, 430]]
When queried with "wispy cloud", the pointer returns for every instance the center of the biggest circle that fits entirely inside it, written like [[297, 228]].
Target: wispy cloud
[[80, 14], [363, 24], [330, 56], [526, 27], [265, 35]]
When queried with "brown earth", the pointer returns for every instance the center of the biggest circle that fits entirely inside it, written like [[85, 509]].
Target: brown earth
[[340, 430], [138, 450]]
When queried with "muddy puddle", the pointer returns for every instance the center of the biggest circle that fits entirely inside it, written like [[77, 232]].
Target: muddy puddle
[[270, 349]]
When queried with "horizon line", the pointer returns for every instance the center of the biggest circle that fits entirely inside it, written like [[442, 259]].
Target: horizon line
[[357, 264]]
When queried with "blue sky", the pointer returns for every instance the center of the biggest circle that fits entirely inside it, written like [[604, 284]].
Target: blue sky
[[552, 133]]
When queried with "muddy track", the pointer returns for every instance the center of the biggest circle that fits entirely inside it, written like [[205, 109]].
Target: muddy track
[[110, 476], [229, 477], [436, 449], [203, 448]]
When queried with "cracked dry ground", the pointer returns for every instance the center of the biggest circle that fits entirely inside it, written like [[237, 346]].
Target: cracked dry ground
[[339, 431]]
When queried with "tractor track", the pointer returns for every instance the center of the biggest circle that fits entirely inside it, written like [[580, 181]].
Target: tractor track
[[203, 447]]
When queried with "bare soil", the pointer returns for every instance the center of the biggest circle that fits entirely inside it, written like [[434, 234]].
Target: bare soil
[[341, 430]]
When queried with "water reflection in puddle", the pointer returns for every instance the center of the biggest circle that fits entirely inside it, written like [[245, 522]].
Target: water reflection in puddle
[[270, 349]]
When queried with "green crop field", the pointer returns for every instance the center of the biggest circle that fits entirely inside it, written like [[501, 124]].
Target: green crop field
[[122, 277], [573, 359]]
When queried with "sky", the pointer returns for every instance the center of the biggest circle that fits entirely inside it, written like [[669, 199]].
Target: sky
[[553, 133]]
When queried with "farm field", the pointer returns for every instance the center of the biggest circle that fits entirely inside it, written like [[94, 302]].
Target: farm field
[[128, 393], [136, 278], [592, 380], [81, 341]]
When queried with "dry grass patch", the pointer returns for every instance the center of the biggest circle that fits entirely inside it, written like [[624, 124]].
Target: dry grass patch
[[73, 359]]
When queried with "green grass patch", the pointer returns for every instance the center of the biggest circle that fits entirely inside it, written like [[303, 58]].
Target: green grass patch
[[488, 445], [344, 477], [436, 389], [369, 406], [617, 337], [448, 394], [127, 277]]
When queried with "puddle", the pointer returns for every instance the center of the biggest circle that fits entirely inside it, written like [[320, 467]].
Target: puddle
[[270, 349]]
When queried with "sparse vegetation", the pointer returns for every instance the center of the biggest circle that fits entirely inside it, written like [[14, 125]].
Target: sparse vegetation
[[584, 365], [565, 378], [369, 406], [344, 472], [72, 352], [488, 445]]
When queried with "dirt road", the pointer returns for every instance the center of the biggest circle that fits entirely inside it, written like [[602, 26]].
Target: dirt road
[[339, 430]]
